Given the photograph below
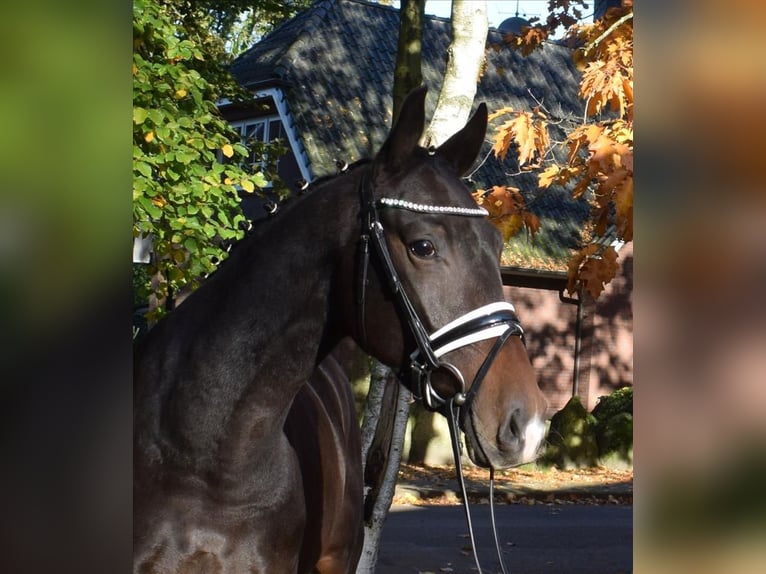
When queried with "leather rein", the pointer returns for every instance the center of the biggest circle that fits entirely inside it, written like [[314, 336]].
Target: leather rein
[[497, 320]]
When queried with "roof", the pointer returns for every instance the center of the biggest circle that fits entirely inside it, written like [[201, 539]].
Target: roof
[[334, 63]]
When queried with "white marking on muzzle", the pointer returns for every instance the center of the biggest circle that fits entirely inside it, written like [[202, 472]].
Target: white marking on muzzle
[[534, 434]]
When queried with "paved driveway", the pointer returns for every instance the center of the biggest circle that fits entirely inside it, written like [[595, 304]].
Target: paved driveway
[[561, 539]]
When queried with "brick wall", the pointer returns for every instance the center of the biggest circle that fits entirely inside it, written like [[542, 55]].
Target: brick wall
[[606, 357], [612, 354]]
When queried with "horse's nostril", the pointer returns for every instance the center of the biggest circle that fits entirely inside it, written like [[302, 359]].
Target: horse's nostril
[[515, 428]]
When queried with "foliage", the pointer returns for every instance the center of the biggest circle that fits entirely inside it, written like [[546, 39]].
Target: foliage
[[183, 196], [577, 438], [620, 401], [571, 437], [240, 23], [614, 426], [507, 210], [598, 148]]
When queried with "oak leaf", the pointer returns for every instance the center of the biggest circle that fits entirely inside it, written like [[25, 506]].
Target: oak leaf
[[548, 176], [510, 226], [591, 269], [531, 222]]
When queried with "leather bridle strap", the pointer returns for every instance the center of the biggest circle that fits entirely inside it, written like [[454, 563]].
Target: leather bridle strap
[[494, 320], [453, 415], [372, 231]]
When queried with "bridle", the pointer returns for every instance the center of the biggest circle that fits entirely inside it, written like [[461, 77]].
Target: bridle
[[496, 320]]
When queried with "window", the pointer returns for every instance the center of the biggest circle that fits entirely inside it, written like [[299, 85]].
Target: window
[[254, 132]]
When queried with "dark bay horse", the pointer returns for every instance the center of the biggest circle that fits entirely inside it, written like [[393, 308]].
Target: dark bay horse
[[240, 465]]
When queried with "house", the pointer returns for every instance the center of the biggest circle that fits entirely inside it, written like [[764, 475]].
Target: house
[[324, 82]]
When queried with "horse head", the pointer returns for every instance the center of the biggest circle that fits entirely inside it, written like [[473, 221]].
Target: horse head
[[430, 302]]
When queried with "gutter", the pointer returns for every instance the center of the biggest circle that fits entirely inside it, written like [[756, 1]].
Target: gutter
[[534, 278], [578, 337]]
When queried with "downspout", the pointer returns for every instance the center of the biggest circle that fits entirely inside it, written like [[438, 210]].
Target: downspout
[[578, 336]]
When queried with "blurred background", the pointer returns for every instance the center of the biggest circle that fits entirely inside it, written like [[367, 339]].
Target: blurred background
[[700, 256]]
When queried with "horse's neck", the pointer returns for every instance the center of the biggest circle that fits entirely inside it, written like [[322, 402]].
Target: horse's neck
[[253, 333]]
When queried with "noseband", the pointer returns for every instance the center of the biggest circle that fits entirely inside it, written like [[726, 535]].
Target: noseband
[[497, 320]]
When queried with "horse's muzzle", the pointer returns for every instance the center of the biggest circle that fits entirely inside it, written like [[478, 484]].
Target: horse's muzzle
[[517, 440]]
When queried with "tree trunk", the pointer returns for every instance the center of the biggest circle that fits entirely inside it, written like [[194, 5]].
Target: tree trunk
[[383, 429], [465, 58], [407, 73]]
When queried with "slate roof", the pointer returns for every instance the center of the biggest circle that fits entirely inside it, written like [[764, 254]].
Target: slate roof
[[334, 63]]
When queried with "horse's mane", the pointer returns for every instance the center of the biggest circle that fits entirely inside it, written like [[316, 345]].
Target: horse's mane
[[330, 177], [260, 226]]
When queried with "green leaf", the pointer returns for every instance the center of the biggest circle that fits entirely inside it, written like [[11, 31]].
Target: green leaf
[[186, 157], [191, 244], [152, 210], [163, 133], [157, 116], [259, 179], [209, 230], [143, 168], [139, 115]]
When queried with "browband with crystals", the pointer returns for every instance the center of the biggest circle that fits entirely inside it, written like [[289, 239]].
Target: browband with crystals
[[424, 208]]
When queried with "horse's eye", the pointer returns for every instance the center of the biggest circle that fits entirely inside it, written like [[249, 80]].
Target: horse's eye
[[423, 248]]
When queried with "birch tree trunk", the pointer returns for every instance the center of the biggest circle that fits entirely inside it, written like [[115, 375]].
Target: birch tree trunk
[[383, 429], [465, 57]]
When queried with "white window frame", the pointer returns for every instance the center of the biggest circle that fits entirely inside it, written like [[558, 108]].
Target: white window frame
[[265, 122]]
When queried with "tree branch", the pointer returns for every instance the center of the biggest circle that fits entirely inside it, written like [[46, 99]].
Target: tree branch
[[608, 31]]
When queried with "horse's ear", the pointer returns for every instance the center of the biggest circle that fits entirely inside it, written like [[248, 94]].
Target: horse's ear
[[463, 147], [405, 134]]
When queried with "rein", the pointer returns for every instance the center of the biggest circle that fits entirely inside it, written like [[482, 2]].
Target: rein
[[496, 320]]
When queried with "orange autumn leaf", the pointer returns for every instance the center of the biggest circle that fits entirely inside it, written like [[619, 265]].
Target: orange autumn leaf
[[507, 210], [548, 176], [532, 223], [591, 269], [623, 203], [529, 133], [510, 225]]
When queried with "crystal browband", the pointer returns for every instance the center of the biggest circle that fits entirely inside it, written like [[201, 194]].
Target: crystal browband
[[423, 208]]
